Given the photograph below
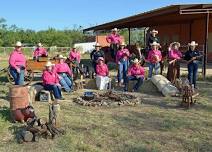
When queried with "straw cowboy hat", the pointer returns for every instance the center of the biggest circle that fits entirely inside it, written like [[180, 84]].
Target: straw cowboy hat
[[48, 64], [155, 44], [193, 43], [123, 44], [97, 45], [40, 45], [61, 57], [101, 59], [114, 30], [18, 44], [136, 61], [175, 43], [154, 31]]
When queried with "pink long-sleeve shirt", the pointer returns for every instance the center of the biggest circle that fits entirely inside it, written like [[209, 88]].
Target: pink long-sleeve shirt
[[122, 54], [153, 55], [62, 68], [40, 52], [75, 56], [17, 59], [175, 54], [50, 78], [102, 70], [136, 71], [113, 38]]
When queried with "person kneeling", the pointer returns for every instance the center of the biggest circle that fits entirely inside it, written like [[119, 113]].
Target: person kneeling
[[135, 73], [65, 73], [51, 81], [102, 79]]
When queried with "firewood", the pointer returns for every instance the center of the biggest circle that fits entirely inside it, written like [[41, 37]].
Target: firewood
[[42, 121]]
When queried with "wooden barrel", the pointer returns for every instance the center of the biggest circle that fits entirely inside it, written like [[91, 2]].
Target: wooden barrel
[[18, 97]]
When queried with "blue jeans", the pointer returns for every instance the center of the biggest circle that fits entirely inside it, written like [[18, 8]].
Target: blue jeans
[[155, 66], [137, 85], [66, 82], [18, 77], [122, 71], [56, 90], [192, 73]]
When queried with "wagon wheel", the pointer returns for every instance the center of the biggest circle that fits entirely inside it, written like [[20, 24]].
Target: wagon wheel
[[27, 78]]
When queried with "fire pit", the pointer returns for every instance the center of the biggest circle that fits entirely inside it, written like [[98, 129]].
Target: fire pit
[[109, 98]]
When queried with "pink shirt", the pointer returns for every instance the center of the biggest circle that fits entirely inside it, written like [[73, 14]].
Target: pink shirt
[[136, 71], [122, 54], [16, 59], [75, 56], [102, 70], [40, 52], [175, 54], [153, 55], [50, 77], [113, 38], [62, 68]]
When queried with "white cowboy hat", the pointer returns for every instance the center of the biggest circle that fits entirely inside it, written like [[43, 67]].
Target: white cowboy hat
[[40, 45], [101, 58], [123, 44], [48, 64], [114, 29], [155, 44], [154, 31], [175, 43], [97, 45], [136, 61], [193, 43], [18, 44], [61, 57]]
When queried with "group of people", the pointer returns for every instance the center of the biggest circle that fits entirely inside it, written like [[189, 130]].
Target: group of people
[[60, 75]]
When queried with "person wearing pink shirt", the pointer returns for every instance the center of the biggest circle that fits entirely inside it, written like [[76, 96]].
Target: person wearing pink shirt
[[65, 73], [135, 73], [114, 39], [39, 52], [51, 81], [174, 65], [153, 59], [17, 64], [74, 57], [122, 59]]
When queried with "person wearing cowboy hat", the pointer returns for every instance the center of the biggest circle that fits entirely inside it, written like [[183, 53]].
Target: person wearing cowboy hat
[[65, 73], [122, 59], [152, 38], [153, 59], [174, 57], [135, 73], [17, 64], [39, 52], [96, 54], [193, 57], [114, 39], [102, 74], [74, 57], [51, 81]]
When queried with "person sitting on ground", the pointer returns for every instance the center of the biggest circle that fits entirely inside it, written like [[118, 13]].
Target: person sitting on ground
[[135, 73], [153, 59], [122, 59], [95, 54], [39, 52], [17, 64], [102, 73], [74, 57], [114, 39], [174, 65], [65, 73], [51, 81]]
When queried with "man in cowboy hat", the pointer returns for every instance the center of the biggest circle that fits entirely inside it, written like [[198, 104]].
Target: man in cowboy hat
[[96, 54], [17, 64], [39, 52], [152, 38], [65, 73], [114, 39], [193, 57], [135, 73]]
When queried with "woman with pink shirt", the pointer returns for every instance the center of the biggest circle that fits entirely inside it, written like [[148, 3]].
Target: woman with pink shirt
[[65, 73], [74, 57], [39, 52], [122, 59], [17, 64], [114, 39], [51, 81], [135, 73], [174, 66], [153, 59]]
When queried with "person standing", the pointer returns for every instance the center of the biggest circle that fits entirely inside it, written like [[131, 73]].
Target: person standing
[[152, 38], [17, 64], [75, 57], [39, 52]]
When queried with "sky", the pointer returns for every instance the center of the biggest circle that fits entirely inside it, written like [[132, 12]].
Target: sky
[[63, 14]]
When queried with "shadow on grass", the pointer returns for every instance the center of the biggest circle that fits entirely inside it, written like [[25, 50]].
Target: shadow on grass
[[5, 113]]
